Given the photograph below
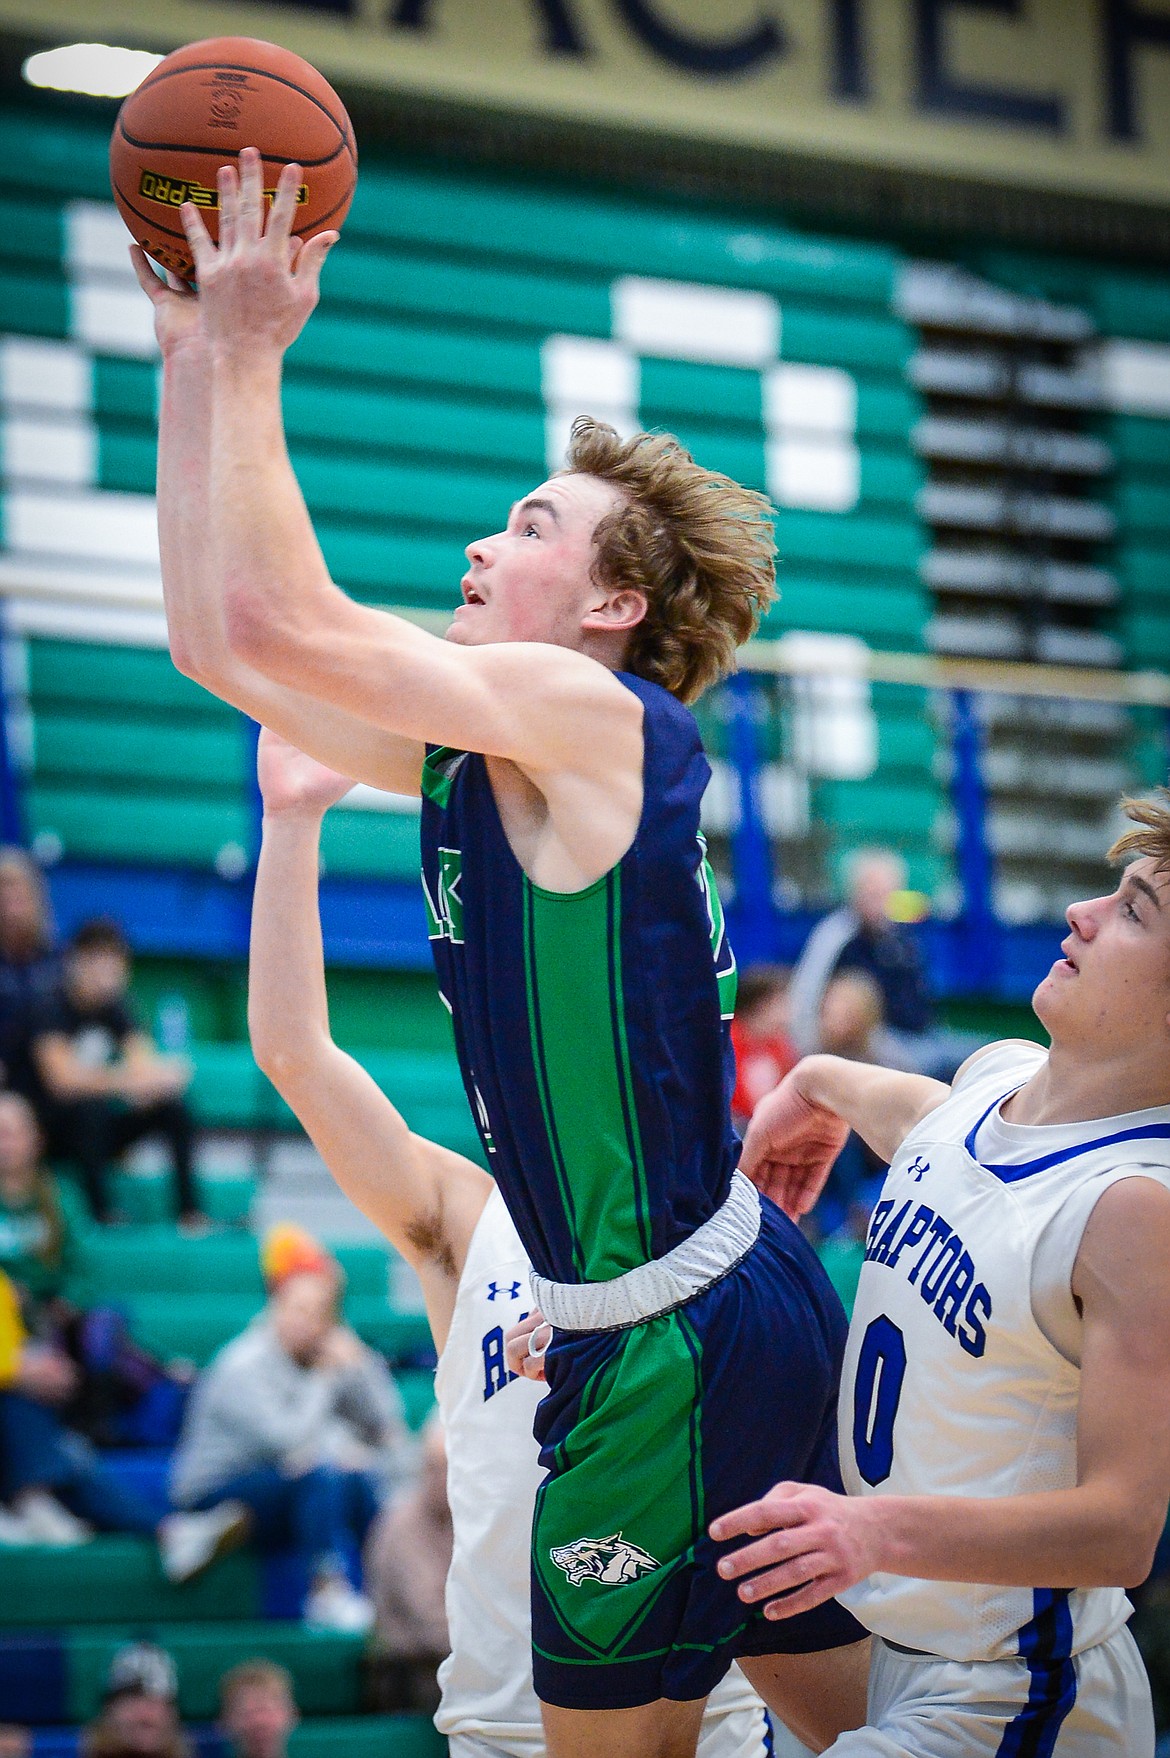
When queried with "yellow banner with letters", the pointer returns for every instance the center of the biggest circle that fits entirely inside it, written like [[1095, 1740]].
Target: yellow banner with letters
[[1069, 96]]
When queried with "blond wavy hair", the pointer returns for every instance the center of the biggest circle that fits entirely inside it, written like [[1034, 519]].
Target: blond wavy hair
[[698, 545], [1151, 832]]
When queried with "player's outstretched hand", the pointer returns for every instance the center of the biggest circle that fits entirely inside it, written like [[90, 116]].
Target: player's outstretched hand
[[790, 1146], [525, 1344], [808, 1545], [259, 285], [290, 782]]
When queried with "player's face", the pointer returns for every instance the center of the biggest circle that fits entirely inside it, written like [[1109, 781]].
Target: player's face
[[1112, 987], [531, 581]]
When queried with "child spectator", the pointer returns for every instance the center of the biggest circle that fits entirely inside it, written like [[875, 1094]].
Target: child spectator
[[408, 1554], [301, 1422], [257, 1709], [764, 1052], [139, 1717], [103, 1084]]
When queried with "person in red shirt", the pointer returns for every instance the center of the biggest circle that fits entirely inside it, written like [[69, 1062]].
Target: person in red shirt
[[764, 1052]]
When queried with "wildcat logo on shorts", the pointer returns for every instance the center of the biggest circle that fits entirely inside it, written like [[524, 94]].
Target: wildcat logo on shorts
[[612, 1559]]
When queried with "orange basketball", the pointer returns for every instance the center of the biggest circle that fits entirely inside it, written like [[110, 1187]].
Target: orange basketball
[[195, 112]]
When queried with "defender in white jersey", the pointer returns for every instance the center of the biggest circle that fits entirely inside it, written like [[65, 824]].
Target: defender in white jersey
[[1004, 1419], [444, 1215]]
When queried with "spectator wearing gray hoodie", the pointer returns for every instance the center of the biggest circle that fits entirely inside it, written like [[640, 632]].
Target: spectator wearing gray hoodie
[[304, 1423]]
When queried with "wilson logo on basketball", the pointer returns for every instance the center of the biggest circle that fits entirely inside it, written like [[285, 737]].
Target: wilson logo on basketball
[[613, 1560], [172, 192]]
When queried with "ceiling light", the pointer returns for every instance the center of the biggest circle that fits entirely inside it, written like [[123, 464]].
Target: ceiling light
[[98, 69]]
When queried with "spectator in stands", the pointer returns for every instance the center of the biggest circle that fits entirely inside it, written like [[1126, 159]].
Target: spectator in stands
[[103, 1083], [408, 1554], [861, 937], [55, 1485], [139, 1716], [300, 1421], [122, 1391], [30, 964], [764, 1051], [15, 1742], [257, 1709]]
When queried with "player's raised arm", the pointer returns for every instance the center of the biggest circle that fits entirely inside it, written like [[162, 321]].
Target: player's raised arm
[[797, 1131], [425, 1199], [524, 697], [195, 619]]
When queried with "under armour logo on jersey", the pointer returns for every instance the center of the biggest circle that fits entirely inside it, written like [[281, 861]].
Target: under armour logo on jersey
[[494, 1289], [918, 1168]]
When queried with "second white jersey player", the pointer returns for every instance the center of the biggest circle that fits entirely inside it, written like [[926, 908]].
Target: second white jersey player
[[488, 1705]]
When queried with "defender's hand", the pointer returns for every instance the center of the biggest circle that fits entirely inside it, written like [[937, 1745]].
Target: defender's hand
[[790, 1146], [519, 1345], [290, 782], [814, 1544], [259, 285]]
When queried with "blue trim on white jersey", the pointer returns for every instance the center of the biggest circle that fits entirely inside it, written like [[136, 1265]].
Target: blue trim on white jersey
[[1046, 1645], [1025, 1168]]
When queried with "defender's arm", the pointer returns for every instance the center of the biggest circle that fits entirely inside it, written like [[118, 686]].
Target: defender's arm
[[797, 1131], [425, 1199]]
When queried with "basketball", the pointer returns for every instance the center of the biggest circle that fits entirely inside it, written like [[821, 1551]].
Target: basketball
[[195, 112]]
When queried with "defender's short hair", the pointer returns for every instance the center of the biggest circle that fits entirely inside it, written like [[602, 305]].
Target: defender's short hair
[[1151, 833], [700, 547]]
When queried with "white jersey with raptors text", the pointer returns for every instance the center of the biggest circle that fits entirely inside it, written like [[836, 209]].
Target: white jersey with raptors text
[[962, 1373], [488, 1703]]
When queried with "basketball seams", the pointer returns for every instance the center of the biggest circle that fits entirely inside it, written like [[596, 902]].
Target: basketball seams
[[161, 73], [174, 146]]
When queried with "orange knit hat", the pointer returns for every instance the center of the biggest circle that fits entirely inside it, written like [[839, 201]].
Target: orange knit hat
[[287, 1250]]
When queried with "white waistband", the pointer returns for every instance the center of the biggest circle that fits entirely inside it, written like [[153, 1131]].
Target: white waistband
[[666, 1282]]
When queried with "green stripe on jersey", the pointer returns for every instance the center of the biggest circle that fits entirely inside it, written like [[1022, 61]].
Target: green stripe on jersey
[[576, 1017]]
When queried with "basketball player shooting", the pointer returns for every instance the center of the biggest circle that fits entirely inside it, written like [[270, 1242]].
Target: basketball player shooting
[[1005, 1402], [446, 1217], [579, 942]]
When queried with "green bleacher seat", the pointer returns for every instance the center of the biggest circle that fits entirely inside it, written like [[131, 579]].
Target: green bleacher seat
[[207, 754], [381, 845], [147, 1197], [97, 824], [367, 1736], [118, 1580], [326, 1667], [141, 678]]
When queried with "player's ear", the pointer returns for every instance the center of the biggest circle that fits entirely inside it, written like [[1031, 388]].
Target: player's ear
[[617, 611]]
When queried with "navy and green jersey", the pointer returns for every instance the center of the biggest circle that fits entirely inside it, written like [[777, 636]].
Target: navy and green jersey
[[591, 1027]]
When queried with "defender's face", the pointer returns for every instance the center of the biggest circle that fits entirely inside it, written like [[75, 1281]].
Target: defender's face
[[1112, 987], [531, 581]]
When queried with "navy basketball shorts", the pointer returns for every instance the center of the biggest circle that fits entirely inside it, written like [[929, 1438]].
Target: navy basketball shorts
[[647, 1435]]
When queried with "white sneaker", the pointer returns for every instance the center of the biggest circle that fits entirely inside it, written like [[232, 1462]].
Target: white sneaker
[[335, 1605], [45, 1521], [190, 1543]]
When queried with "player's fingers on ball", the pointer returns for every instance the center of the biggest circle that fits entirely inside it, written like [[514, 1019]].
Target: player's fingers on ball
[[146, 277], [313, 256], [227, 184], [284, 205], [203, 251], [250, 221]]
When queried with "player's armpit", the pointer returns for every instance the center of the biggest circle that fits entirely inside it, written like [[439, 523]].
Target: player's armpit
[[1121, 1281]]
